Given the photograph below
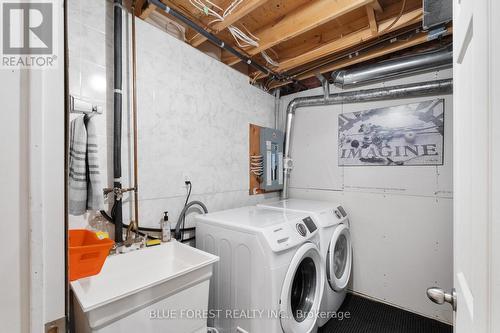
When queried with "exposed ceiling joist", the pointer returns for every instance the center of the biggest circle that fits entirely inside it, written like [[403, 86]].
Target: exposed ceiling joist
[[145, 9], [376, 5], [306, 37], [415, 40], [370, 12], [244, 9], [351, 40], [308, 17]]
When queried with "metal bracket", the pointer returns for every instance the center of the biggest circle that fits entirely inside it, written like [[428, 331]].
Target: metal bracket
[[436, 33], [77, 105], [117, 192], [287, 163], [326, 85]]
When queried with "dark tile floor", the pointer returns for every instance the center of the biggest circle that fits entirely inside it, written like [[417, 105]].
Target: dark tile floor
[[367, 316]]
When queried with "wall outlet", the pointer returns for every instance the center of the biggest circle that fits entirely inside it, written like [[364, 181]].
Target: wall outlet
[[186, 177]]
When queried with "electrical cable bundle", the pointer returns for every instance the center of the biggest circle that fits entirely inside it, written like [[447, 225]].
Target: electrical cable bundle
[[243, 39], [257, 165], [269, 60]]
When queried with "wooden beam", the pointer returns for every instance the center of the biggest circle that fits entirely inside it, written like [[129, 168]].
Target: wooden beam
[[144, 9], [241, 11], [391, 48], [418, 39], [299, 21], [376, 5], [350, 40], [370, 12], [148, 8]]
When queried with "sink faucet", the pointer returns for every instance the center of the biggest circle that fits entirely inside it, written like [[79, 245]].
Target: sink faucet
[[132, 228]]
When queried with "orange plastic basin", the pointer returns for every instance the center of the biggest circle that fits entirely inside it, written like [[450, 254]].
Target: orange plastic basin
[[87, 253]]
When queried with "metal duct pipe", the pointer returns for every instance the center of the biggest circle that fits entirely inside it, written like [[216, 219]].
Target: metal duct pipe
[[277, 93], [394, 68], [117, 120], [431, 88]]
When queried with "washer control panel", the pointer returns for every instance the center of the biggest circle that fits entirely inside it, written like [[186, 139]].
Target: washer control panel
[[311, 226], [301, 229], [292, 233], [340, 212]]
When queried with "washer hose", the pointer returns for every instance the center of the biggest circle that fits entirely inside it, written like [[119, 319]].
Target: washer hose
[[182, 215]]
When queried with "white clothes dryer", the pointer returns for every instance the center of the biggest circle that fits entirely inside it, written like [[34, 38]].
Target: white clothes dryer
[[335, 247], [270, 277]]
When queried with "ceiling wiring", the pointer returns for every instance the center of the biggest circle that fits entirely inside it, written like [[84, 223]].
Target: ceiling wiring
[[269, 60], [244, 39], [403, 6]]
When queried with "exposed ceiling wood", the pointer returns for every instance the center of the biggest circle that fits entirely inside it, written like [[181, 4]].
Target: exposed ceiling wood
[[418, 39], [306, 18], [146, 10], [350, 40], [140, 6], [304, 37], [241, 11], [376, 5], [370, 12]]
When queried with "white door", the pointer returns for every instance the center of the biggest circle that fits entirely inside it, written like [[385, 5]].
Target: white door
[[475, 165]]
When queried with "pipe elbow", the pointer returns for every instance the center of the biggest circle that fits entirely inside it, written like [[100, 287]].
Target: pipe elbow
[[293, 105], [338, 77]]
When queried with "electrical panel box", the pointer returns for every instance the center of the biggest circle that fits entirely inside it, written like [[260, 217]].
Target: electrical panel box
[[266, 159], [271, 148]]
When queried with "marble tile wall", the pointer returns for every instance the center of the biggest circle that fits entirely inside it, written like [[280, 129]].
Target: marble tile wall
[[193, 115]]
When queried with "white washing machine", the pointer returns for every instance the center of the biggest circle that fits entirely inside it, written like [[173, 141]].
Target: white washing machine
[[335, 247], [270, 276]]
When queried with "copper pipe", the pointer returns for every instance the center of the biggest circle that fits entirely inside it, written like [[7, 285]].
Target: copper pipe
[[134, 119]]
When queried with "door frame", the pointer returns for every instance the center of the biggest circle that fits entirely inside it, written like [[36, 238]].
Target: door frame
[[494, 109]]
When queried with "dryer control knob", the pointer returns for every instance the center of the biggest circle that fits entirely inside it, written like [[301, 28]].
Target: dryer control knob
[[301, 229]]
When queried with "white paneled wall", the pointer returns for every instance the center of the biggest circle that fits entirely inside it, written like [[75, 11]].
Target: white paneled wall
[[193, 115], [401, 217]]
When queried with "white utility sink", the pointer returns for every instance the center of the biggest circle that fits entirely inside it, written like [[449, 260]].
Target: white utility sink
[[155, 289]]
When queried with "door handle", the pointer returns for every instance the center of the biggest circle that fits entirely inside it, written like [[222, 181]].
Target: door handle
[[438, 296]]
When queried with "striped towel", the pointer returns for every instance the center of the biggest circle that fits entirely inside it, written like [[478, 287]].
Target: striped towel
[[85, 191], [77, 167], [95, 200]]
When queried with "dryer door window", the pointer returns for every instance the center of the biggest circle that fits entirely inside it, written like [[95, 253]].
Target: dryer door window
[[339, 258], [302, 290]]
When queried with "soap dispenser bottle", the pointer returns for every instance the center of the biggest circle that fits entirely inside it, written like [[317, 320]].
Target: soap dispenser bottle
[[166, 235]]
